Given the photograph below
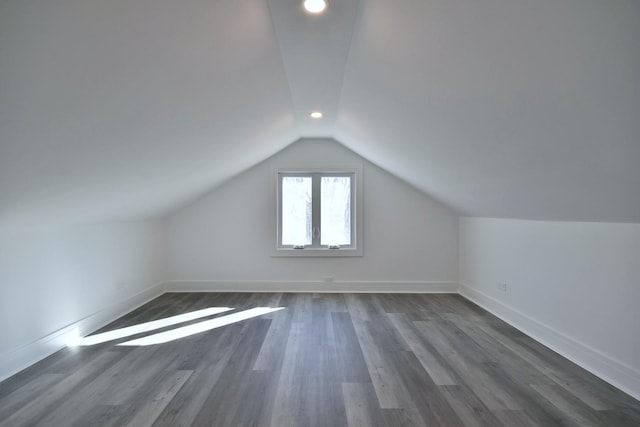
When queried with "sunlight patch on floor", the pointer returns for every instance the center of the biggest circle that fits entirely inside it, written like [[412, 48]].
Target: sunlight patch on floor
[[144, 327], [206, 325]]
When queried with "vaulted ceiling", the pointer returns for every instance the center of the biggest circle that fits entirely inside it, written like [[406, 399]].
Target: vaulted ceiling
[[128, 109]]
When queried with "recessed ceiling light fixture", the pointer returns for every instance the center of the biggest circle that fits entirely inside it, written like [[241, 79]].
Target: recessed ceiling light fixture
[[315, 115], [315, 6]]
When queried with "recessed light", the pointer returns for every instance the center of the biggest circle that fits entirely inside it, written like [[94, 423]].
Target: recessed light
[[315, 6], [315, 115]]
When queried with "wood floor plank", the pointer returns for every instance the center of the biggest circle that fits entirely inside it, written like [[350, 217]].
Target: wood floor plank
[[28, 392], [431, 361], [389, 389], [428, 399], [337, 303], [512, 382], [469, 408], [99, 415], [467, 365], [302, 308], [287, 398], [510, 362], [32, 412], [521, 418], [358, 307], [572, 409], [106, 388], [321, 402], [225, 402], [185, 406], [148, 412], [361, 405], [402, 418], [351, 364], [271, 354], [554, 372], [329, 360]]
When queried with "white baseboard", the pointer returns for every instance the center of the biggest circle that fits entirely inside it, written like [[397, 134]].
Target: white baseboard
[[310, 286], [15, 360], [605, 367]]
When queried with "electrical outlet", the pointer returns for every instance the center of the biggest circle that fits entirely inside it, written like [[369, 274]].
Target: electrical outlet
[[502, 287], [328, 278]]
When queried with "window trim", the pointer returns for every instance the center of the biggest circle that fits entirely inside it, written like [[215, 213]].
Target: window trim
[[357, 219]]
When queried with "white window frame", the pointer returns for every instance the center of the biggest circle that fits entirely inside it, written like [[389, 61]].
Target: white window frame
[[356, 249]]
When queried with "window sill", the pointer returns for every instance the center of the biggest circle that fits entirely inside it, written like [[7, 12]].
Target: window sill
[[318, 253]]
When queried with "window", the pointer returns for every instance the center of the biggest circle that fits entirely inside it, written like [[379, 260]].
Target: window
[[318, 212]]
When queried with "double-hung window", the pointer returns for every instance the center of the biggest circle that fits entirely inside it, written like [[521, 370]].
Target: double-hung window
[[319, 212]]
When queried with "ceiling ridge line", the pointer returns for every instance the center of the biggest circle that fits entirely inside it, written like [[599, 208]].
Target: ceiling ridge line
[[284, 68], [357, 24]]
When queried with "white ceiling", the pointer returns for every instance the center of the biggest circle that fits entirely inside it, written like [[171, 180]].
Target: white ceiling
[[128, 109]]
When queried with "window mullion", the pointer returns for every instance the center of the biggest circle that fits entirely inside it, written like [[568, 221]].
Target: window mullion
[[279, 237], [353, 207], [315, 210]]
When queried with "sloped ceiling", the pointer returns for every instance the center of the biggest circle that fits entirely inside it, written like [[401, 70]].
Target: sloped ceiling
[[128, 109]]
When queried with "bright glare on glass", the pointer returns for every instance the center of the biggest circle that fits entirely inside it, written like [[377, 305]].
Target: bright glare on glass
[[335, 210], [206, 325], [145, 327], [296, 210]]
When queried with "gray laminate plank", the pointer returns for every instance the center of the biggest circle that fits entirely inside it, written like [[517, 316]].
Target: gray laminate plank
[[287, 398], [361, 405], [415, 307], [385, 334], [358, 306], [468, 366], [555, 373], [402, 418], [469, 408], [108, 388], [520, 418], [65, 362], [149, 411], [516, 387], [28, 392], [271, 354], [270, 300], [100, 415], [186, 404], [257, 411], [322, 402], [225, 404], [325, 360], [35, 410], [337, 303], [428, 399], [509, 361], [350, 361], [621, 418], [571, 408], [194, 349], [302, 308], [431, 361], [146, 370], [389, 389]]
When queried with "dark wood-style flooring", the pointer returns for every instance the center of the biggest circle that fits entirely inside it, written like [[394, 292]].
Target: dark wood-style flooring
[[324, 360]]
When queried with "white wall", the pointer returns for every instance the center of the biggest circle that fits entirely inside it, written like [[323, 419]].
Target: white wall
[[226, 238], [53, 281], [573, 286]]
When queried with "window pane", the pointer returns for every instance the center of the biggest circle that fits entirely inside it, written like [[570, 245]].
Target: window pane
[[296, 210], [335, 210]]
